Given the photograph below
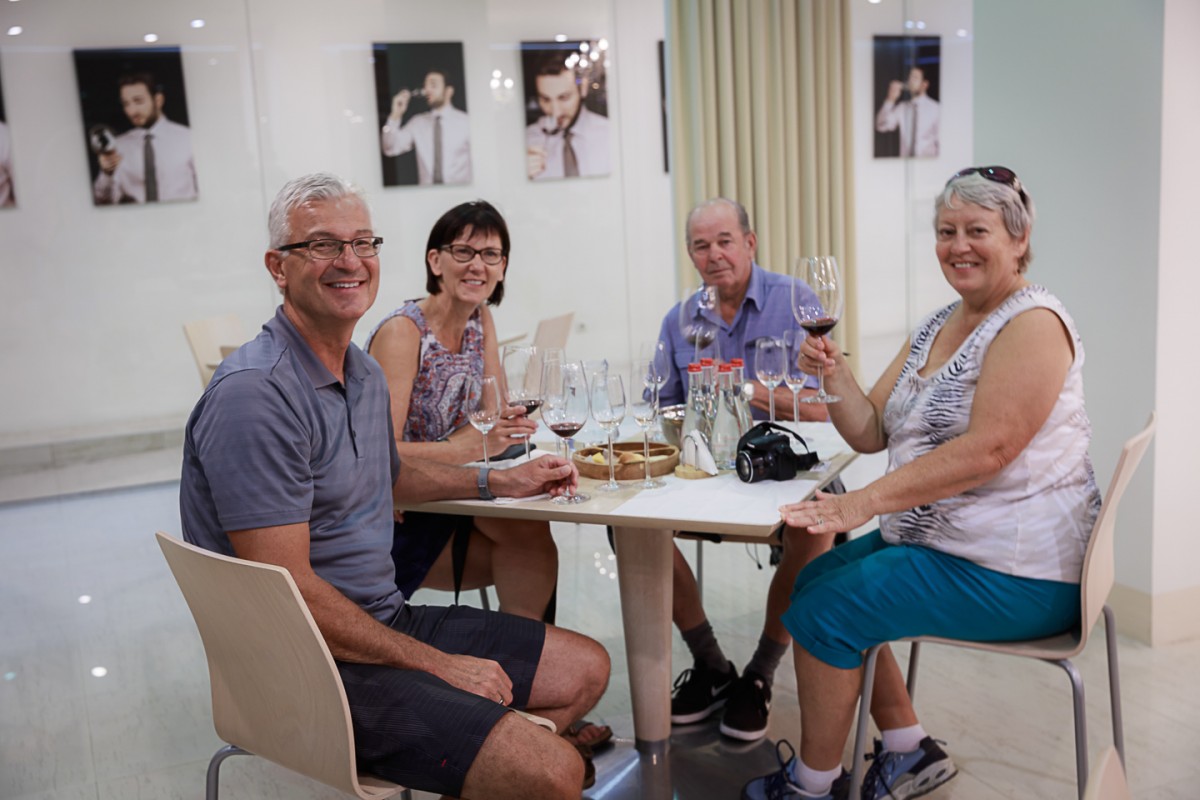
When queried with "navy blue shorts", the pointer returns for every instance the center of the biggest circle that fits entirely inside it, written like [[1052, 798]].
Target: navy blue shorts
[[419, 731], [867, 591], [418, 541]]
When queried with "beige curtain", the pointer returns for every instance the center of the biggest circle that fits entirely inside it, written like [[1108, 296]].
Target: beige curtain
[[759, 94]]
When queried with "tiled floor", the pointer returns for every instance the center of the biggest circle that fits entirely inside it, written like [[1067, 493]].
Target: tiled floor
[[142, 728]]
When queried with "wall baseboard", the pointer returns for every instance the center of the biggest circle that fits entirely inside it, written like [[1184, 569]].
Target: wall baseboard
[[1159, 619]]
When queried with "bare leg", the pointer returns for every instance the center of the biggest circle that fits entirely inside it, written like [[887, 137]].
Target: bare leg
[[520, 759], [571, 677], [799, 548], [519, 557], [828, 696]]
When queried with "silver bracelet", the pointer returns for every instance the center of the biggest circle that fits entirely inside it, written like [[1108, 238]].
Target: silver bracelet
[[481, 481]]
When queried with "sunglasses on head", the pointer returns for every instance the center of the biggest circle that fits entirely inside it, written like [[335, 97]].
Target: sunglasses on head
[[996, 174]]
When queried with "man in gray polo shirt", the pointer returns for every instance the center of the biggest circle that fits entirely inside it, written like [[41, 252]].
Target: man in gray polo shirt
[[289, 459]]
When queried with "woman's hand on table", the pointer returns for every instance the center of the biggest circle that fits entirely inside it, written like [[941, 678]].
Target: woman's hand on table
[[827, 513], [539, 476]]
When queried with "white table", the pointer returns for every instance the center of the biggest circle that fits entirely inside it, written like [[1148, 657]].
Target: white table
[[644, 522]]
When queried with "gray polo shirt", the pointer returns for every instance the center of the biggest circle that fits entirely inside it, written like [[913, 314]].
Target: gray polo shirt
[[276, 440]]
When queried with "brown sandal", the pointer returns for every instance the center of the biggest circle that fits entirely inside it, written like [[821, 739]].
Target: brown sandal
[[573, 734], [589, 768]]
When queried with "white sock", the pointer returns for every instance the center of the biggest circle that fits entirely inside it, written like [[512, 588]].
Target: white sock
[[903, 740], [815, 781]]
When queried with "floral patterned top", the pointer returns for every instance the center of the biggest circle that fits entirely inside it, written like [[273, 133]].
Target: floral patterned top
[[437, 405]]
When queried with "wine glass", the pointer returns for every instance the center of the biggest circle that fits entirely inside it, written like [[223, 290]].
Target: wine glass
[[792, 375], [523, 374], [608, 409], [565, 409], [483, 406], [644, 406], [694, 325], [768, 366], [818, 298], [659, 363]]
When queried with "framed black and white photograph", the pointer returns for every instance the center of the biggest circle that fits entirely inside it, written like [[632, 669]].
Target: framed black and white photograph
[[425, 135], [907, 96], [566, 109], [8, 196], [135, 125]]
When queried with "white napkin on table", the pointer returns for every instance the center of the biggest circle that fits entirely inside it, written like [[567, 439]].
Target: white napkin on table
[[695, 453]]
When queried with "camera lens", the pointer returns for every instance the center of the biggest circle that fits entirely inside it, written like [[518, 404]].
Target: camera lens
[[745, 467]]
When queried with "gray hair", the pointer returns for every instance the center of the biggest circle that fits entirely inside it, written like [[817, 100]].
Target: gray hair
[[1013, 202], [740, 210], [295, 193]]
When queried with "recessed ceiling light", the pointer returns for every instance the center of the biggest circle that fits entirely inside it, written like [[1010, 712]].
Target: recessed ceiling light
[[15, 30], [560, 37], [962, 33], [150, 37], [99, 672], [197, 23]]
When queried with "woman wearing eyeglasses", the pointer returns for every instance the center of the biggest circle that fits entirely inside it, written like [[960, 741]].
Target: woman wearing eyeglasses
[[985, 510], [429, 349]]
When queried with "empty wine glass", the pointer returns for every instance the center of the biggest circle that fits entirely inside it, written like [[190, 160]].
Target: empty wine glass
[[659, 360], [792, 375], [565, 409], [523, 374], [483, 406], [608, 409], [768, 366], [818, 298], [695, 324], [644, 405]]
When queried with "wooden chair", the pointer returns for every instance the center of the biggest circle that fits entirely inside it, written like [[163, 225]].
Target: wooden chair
[[211, 340], [1107, 781], [1095, 585], [276, 692], [553, 332]]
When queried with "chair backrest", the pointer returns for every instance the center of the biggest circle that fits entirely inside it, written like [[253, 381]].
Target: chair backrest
[[209, 339], [1099, 567], [553, 332], [1107, 781], [276, 691]]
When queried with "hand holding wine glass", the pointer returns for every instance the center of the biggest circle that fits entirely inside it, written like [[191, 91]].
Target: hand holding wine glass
[[643, 401], [608, 409], [768, 366], [483, 406], [818, 299], [565, 409]]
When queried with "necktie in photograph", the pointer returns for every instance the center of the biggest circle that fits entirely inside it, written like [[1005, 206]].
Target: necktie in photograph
[[912, 128], [437, 149], [570, 163], [151, 169]]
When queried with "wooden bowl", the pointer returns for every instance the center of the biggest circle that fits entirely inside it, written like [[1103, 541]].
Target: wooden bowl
[[630, 464]]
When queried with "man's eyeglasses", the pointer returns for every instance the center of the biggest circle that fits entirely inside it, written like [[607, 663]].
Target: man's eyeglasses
[[464, 253], [328, 249], [996, 174]]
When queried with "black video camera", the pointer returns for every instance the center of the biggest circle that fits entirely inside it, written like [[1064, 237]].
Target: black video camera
[[763, 454]]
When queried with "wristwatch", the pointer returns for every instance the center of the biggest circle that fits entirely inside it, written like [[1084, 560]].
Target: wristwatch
[[481, 482]]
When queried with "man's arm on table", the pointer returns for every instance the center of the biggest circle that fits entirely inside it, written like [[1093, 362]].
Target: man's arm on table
[[352, 634], [423, 480]]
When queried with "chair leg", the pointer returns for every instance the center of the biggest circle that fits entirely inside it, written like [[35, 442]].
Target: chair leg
[[1114, 682], [1081, 752], [914, 657], [857, 770], [212, 785]]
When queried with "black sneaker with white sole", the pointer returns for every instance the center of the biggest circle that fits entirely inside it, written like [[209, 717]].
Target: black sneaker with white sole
[[747, 709], [699, 692]]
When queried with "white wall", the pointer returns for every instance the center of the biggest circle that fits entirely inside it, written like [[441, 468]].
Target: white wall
[[899, 280], [95, 297], [1176, 552]]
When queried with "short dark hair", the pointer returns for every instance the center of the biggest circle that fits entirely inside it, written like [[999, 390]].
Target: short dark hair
[[475, 216], [439, 71], [134, 78], [552, 62]]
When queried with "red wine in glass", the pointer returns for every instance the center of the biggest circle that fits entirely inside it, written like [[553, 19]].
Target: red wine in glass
[[533, 404], [819, 327], [566, 429]]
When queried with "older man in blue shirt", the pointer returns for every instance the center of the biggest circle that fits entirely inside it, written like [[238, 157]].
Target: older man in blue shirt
[[752, 302]]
